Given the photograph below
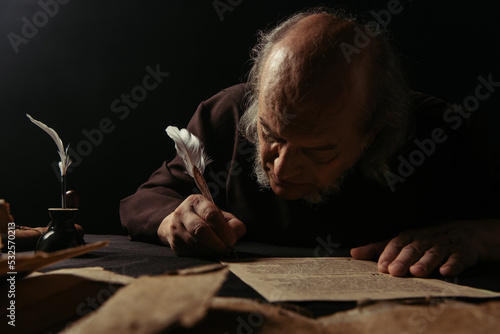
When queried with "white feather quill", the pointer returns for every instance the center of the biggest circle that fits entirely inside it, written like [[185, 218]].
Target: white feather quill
[[192, 153], [63, 153]]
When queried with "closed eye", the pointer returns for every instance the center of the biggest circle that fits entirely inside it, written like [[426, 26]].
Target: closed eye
[[268, 136], [321, 155]]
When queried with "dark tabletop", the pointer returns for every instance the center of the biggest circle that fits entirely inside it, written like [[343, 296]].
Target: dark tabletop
[[130, 258]]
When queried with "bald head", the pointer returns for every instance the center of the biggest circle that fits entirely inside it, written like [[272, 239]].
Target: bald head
[[319, 39], [306, 71], [310, 72]]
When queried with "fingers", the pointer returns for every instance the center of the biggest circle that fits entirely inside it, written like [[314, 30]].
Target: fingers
[[396, 256], [458, 262], [201, 234], [238, 228], [368, 252], [417, 257], [408, 253], [421, 252], [430, 260], [198, 228], [214, 219], [183, 243], [187, 234], [453, 266], [225, 225], [387, 262]]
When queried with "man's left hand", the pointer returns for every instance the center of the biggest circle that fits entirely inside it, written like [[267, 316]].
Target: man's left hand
[[449, 247]]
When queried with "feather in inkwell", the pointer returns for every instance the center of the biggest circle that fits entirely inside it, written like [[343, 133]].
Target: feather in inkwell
[[192, 153], [63, 154]]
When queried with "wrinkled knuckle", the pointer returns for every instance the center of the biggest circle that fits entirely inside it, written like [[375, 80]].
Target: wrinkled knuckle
[[414, 249], [176, 215], [209, 214], [192, 197], [195, 199], [187, 201], [172, 231], [399, 242], [200, 230], [174, 236], [435, 252]]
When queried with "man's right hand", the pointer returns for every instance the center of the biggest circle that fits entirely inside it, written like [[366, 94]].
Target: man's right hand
[[199, 228]]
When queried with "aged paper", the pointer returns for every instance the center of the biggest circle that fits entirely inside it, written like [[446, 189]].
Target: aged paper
[[47, 302], [26, 264], [338, 279], [436, 316], [156, 304]]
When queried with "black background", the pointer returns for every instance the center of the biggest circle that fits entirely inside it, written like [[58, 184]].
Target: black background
[[90, 52]]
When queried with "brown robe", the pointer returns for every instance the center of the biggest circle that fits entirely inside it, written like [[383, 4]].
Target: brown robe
[[451, 183]]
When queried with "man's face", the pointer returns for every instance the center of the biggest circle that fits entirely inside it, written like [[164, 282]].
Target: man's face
[[307, 139]]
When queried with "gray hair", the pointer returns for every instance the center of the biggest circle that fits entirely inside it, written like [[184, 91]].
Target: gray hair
[[388, 104]]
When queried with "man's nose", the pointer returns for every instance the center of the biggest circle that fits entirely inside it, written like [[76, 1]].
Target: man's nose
[[287, 163]]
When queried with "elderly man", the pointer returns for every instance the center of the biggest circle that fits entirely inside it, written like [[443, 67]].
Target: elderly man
[[326, 142]]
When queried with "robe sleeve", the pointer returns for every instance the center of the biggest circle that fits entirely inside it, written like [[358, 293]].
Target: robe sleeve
[[215, 124]]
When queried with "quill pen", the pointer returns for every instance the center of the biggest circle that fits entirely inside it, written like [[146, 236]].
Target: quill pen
[[191, 150], [63, 154]]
